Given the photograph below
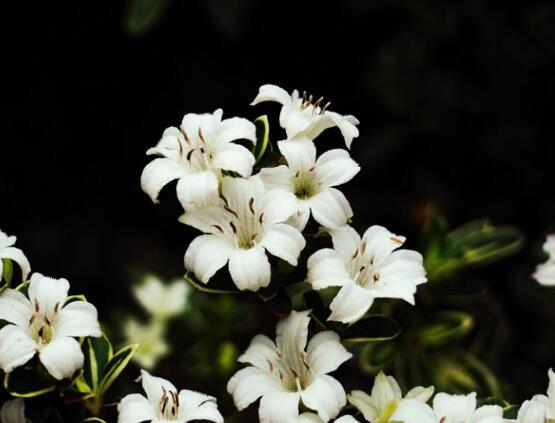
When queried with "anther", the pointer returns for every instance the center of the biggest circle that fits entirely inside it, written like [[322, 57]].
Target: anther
[[233, 228], [219, 228], [325, 107], [189, 154], [376, 277], [230, 210], [261, 218], [251, 205], [396, 240], [200, 134]]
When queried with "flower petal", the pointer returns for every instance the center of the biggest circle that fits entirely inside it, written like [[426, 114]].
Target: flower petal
[[238, 193], [278, 407], [135, 408], [250, 269], [17, 255], [350, 303], [278, 205], [155, 387], [335, 167], [269, 92], [346, 419], [283, 241], [157, 174], [235, 158], [326, 268], [363, 403], [15, 308], [170, 145], [46, 292], [292, 333], [551, 386], [198, 406], [194, 124], [326, 396], [457, 408], [325, 353], [197, 190], [206, 255], [13, 411], [299, 153], [249, 384], [235, 129], [212, 220], [346, 241], [78, 318], [62, 357], [531, 412], [380, 243], [299, 219], [420, 393], [16, 348], [385, 390], [414, 411], [279, 177], [545, 273], [260, 352], [330, 208], [488, 414]]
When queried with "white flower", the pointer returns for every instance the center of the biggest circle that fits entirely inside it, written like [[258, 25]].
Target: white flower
[[8, 251], [163, 403], [547, 401], [447, 409], [385, 397], [195, 154], [315, 418], [44, 323], [161, 300], [365, 269], [283, 373], [13, 411], [545, 272], [531, 412], [312, 182], [306, 116], [247, 223], [150, 336]]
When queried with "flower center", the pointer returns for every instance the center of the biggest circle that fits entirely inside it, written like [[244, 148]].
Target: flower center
[[41, 326], [306, 184], [197, 154], [169, 405], [246, 226], [362, 268], [293, 372]]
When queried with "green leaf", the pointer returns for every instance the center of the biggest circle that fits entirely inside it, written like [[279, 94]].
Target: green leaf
[[115, 366], [28, 382], [7, 274], [262, 137], [191, 280], [371, 329], [376, 356], [73, 298], [98, 352], [445, 327], [143, 15]]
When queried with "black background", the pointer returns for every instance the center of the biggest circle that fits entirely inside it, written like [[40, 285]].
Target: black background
[[455, 101]]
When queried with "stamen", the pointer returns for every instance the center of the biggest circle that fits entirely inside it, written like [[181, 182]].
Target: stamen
[[396, 240], [270, 365], [312, 168], [230, 210], [363, 247], [318, 102], [233, 228], [251, 205], [189, 154], [325, 107], [355, 254], [201, 150], [37, 306], [32, 319], [297, 173], [46, 321], [261, 218], [187, 140], [200, 134], [218, 227], [376, 277], [175, 406], [56, 307]]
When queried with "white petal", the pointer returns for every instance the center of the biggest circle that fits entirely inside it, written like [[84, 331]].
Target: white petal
[[385, 390], [299, 153], [455, 407], [330, 208], [250, 269], [283, 241], [292, 333], [299, 219], [277, 205], [420, 393], [532, 412], [326, 268], [62, 357], [325, 353], [346, 419], [47, 292], [78, 318], [198, 406], [197, 190], [13, 411], [488, 414], [155, 387], [15, 308], [212, 220], [346, 125], [157, 174], [238, 193], [308, 418], [5, 240], [346, 241], [279, 177], [170, 145], [350, 303], [551, 386], [380, 243], [17, 255], [335, 167], [250, 383], [235, 158], [363, 403], [278, 407], [545, 273], [135, 408], [326, 396], [414, 411], [205, 123], [16, 348], [206, 255], [549, 245], [271, 92], [160, 299], [260, 352]]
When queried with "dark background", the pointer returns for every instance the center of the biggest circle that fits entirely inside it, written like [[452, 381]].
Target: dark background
[[455, 101]]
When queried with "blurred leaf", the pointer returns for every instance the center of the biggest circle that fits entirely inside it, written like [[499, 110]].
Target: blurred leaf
[[190, 278], [376, 356], [296, 292], [227, 358], [262, 137], [28, 382], [445, 327], [143, 15], [371, 329], [7, 274]]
